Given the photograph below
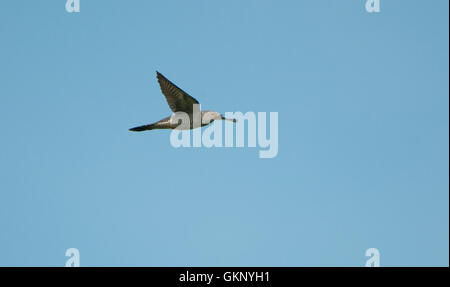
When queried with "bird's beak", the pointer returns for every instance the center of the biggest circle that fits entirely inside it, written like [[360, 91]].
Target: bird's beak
[[231, 120]]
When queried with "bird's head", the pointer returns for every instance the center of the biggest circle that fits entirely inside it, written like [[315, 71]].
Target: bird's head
[[210, 116]]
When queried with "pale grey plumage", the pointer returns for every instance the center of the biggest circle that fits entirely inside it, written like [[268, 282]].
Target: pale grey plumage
[[178, 101]]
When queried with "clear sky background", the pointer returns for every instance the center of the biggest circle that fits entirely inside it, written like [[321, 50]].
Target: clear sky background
[[363, 103]]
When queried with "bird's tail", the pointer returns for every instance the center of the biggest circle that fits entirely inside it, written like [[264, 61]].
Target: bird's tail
[[143, 128]]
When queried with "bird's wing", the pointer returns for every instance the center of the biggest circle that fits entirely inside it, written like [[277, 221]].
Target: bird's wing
[[178, 100]]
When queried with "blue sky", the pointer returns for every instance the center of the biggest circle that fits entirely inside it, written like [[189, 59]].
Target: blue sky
[[363, 155]]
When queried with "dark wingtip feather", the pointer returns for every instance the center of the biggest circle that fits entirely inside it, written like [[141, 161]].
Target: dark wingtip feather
[[141, 128], [134, 130]]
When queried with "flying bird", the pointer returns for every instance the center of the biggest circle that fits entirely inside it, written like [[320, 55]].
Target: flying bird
[[179, 101]]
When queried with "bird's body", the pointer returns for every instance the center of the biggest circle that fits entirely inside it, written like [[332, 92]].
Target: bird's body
[[179, 101]]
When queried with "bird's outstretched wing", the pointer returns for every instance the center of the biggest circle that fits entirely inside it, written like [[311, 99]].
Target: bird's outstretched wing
[[178, 100]]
